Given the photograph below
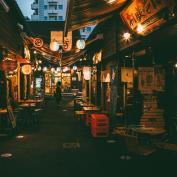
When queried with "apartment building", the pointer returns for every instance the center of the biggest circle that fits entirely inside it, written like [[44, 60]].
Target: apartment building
[[85, 32], [49, 10]]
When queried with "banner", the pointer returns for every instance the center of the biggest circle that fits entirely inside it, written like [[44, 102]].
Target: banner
[[159, 78], [126, 74], [57, 36], [105, 76], [146, 79]]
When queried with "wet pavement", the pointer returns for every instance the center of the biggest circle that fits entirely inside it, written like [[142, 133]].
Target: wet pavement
[[63, 147]]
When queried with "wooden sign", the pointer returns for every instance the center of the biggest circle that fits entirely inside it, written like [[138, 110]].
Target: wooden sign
[[67, 45], [105, 76], [57, 36], [159, 78], [145, 14], [146, 79], [8, 65], [38, 42], [97, 57], [127, 75]]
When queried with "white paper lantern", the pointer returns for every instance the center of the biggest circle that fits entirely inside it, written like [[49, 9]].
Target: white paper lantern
[[74, 68], [44, 69], [53, 70], [54, 46], [87, 73], [65, 69], [80, 44], [39, 68], [58, 69]]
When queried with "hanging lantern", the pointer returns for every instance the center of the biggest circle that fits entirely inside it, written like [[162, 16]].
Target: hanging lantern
[[44, 69], [58, 69], [65, 69], [39, 68], [54, 46], [53, 70], [80, 44], [26, 69], [87, 73], [74, 68]]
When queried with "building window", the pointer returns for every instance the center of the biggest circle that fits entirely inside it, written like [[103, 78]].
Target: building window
[[60, 7], [89, 28], [53, 18], [45, 7], [60, 18], [45, 17], [52, 7]]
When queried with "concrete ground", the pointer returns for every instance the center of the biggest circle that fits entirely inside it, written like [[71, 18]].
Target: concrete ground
[[44, 152]]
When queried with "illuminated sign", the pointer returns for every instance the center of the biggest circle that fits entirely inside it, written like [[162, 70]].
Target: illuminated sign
[[142, 16], [26, 69]]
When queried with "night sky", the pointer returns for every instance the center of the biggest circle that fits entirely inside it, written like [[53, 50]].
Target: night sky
[[25, 6]]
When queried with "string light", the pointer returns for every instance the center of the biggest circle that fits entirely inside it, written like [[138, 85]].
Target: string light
[[127, 36]]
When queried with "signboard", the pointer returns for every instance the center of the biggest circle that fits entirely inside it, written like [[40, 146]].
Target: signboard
[[146, 79], [38, 42], [26, 69], [159, 78], [27, 53], [142, 16], [127, 75], [105, 76], [97, 57], [8, 64], [57, 36], [67, 44]]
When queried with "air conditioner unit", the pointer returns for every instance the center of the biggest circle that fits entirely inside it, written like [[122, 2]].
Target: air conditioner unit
[[4, 5]]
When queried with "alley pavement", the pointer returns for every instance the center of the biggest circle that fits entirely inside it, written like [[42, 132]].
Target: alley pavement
[[63, 147]]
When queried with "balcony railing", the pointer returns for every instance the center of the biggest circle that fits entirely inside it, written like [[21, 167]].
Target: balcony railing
[[34, 17], [52, 11], [34, 6], [52, 1]]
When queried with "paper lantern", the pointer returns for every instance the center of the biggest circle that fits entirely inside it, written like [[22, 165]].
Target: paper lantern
[[39, 68], [54, 46], [44, 69], [26, 69], [87, 73], [74, 68], [65, 69], [80, 44], [58, 69], [53, 69]]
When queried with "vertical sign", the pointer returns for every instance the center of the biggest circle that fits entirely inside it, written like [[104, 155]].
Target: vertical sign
[[67, 44], [146, 79]]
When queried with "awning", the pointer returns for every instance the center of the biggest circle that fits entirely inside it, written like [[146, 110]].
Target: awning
[[82, 13]]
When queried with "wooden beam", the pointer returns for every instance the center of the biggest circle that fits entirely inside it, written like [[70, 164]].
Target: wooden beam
[[68, 16]]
